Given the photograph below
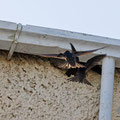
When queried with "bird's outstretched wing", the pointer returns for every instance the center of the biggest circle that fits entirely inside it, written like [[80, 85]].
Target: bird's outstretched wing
[[73, 48], [66, 65], [59, 56], [97, 69], [80, 53], [94, 61]]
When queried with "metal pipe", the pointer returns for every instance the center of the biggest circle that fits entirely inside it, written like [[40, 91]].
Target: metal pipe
[[107, 83]]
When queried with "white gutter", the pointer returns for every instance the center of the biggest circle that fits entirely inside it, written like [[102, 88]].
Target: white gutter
[[36, 40]]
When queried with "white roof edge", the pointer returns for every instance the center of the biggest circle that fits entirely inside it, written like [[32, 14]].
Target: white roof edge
[[71, 35], [8, 25], [60, 33], [37, 40]]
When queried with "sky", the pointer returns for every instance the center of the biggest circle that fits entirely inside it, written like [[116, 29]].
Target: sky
[[96, 17]]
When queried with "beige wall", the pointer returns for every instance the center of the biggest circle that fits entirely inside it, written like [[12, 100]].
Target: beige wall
[[31, 89]]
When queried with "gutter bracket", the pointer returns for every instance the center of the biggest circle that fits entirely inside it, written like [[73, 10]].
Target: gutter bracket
[[15, 41]]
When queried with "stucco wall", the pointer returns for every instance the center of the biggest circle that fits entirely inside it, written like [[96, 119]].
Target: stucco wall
[[32, 89]]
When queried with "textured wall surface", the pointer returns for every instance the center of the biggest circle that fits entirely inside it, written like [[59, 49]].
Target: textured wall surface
[[32, 89]]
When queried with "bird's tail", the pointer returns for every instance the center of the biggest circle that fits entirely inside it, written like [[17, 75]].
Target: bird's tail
[[87, 82], [76, 79]]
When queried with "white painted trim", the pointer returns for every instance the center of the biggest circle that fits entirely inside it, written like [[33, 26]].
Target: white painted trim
[[71, 35], [37, 40]]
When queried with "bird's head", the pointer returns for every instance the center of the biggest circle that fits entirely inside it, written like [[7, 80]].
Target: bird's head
[[67, 53]]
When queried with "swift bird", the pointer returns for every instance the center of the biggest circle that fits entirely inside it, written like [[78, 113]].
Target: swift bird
[[71, 58], [80, 73], [96, 68]]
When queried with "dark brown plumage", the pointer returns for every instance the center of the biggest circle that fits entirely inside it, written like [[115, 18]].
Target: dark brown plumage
[[71, 58], [80, 73]]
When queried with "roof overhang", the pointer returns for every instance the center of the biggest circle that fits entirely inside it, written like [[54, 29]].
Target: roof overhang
[[39, 40]]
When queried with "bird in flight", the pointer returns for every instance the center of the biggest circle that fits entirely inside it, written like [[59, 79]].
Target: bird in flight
[[96, 68], [71, 58], [80, 73]]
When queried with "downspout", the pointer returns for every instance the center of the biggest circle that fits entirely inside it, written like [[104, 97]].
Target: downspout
[[107, 83]]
